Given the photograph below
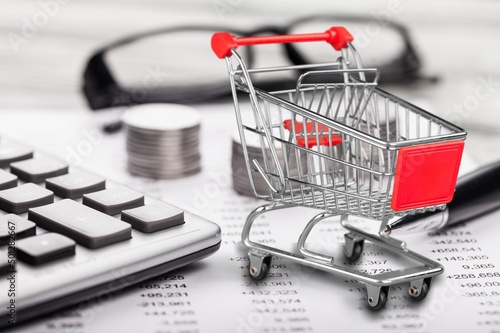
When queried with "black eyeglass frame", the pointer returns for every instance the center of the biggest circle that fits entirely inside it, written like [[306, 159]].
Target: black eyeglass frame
[[103, 91]]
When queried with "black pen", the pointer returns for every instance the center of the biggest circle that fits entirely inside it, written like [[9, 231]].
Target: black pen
[[476, 193]]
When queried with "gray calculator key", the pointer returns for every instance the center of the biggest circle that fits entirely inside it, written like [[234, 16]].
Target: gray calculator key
[[6, 265], [113, 200], [7, 180], [19, 199], [12, 152], [85, 225], [153, 217], [45, 248], [13, 228], [36, 170], [75, 184]]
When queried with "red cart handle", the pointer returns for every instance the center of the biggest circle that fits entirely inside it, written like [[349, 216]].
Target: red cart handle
[[223, 42]]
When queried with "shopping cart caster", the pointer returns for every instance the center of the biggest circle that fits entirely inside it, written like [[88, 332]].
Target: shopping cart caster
[[259, 265], [353, 247], [420, 288], [377, 296]]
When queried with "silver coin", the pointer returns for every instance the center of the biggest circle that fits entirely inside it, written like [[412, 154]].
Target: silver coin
[[165, 164], [167, 169], [260, 155], [162, 172], [152, 147], [161, 152], [281, 157], [178, 159], [241, 182], [174, 160], [247, 187], [292, 166], [162, 140], [291, 163], [149, 131], [258, 181], [162, 175], [166, 159], [170, 170], [179, 147], [138, 128], [170, 145], [164, 143], [159, 133], [250, 150], [292, 172], [161, 117], [164, 137]]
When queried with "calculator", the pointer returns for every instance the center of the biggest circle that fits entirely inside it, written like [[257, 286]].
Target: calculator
[[68, 235]]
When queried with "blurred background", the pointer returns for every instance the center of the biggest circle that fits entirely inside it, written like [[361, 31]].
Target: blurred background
[[46, 45]]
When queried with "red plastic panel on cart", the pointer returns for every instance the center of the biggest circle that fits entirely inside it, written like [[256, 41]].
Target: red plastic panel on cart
[[426, 175], [312, 128]]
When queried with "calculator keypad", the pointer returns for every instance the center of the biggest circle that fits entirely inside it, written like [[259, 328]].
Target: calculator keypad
[[31, 187]]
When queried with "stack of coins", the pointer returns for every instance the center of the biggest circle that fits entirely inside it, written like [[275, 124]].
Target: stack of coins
[[162, 140], [241, 183]]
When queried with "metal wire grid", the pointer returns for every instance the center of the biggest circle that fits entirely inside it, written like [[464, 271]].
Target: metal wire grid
[[353, 177]]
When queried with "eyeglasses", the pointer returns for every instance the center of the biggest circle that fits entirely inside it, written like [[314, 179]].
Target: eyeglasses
[[176, 64]]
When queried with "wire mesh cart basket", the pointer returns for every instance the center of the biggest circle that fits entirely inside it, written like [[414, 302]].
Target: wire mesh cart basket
[[355, 150]]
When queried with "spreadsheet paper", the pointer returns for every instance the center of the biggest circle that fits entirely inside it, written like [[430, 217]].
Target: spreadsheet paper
[[217, 294]]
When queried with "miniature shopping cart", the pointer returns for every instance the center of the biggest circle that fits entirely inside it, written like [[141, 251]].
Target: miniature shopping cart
[[355, 150]]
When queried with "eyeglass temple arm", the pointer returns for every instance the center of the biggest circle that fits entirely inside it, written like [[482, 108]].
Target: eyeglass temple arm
[[223, 42], [98, 83]]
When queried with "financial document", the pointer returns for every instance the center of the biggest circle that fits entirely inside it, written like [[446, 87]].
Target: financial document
[[218, 295]]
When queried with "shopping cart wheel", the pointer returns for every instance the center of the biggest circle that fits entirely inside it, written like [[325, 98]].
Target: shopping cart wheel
[[353, 247], [419, 289], [259, 265], [377, 297]]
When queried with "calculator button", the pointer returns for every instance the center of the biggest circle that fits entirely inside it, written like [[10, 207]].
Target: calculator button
[[36, 170], [11, 152], [7, 180], [75, 184], [5, 265], [153, 217], [19, 199], [12, 223], [85, 225], [113, 200], [45, 248]]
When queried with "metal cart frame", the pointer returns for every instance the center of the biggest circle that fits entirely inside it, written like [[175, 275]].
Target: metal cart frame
[[365, 149]]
